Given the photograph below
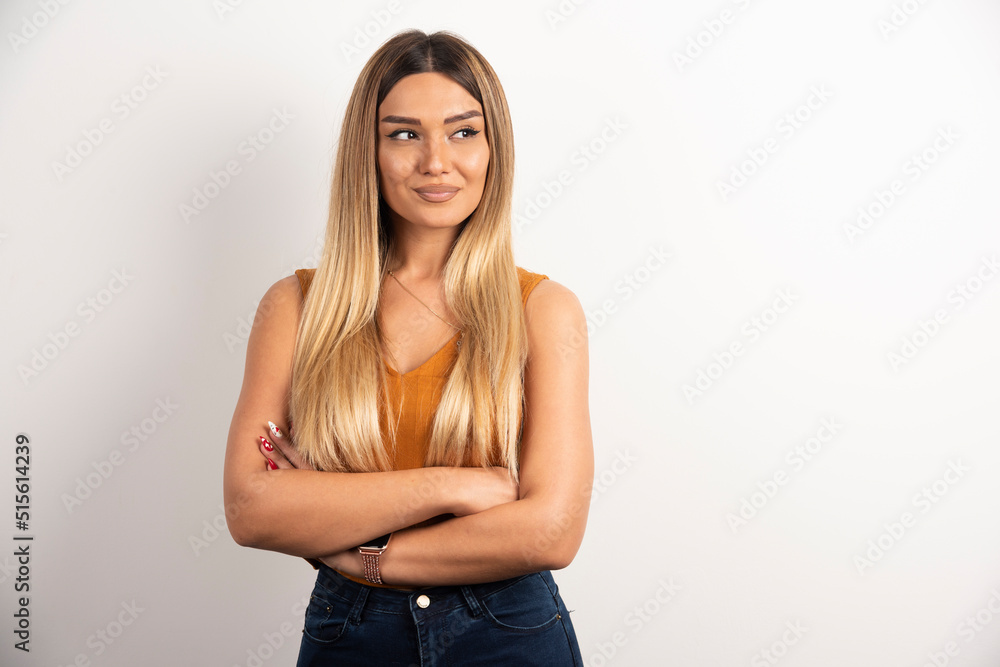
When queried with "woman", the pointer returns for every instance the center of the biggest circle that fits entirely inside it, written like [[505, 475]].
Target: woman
[[432, 487]]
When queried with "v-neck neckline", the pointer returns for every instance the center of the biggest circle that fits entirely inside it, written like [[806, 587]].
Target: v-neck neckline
[[434, 356]]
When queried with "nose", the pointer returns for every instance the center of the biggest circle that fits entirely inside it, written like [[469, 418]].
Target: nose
[[436, 158]]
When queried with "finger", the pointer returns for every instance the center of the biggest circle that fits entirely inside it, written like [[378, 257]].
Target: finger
[[293, 456], [273, 455], [275, 431], [288, 450]]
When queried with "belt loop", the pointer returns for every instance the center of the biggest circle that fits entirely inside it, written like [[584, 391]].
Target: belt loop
[[359, 604], [473, 603]]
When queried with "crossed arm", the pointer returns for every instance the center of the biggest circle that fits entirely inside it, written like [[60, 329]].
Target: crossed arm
[[498, 530]]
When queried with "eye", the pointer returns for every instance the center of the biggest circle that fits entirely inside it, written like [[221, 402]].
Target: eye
[[397, 133], [469, 132]]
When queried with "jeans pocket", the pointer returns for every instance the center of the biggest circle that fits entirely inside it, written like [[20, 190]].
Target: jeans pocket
[[326, 616], [527, 605]]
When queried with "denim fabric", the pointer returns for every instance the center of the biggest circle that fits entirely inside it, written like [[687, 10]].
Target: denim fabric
[[519, 621]]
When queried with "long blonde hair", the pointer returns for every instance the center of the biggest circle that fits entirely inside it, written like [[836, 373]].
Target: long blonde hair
[[338, 376]]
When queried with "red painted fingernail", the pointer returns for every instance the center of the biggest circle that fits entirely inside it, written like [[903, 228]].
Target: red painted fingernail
[[270, 465], [267, 445], [275, 431]]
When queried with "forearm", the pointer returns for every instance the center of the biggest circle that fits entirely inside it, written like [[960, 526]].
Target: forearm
[[506, 541], [309, 513]]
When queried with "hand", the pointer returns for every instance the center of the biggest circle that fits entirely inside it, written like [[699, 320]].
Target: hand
[[279, 450], [348, 562], [483, 488]]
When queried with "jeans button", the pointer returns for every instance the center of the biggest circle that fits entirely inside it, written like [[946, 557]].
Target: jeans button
[[423, 602]]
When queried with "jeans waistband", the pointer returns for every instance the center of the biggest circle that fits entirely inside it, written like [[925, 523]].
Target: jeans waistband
[[391, 600]]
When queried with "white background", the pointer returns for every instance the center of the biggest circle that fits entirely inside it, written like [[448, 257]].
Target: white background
[[671, 467]]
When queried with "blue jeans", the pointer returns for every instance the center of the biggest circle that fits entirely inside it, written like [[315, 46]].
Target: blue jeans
[[519, 621]]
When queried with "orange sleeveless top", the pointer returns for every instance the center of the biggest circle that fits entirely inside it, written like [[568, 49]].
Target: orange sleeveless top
[[420, 390]]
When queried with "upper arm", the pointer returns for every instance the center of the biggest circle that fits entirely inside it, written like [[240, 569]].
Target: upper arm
[[265, 392], [557, 453]]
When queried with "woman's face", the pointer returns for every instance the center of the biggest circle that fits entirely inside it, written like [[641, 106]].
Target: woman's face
[[432, 151]]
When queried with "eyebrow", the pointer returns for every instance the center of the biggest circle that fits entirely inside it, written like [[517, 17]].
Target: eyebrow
[[405, 120]]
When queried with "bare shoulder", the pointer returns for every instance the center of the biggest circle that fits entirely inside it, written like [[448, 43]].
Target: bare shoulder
[[552, 301], [284, 295], [275, 327], [555, 320]]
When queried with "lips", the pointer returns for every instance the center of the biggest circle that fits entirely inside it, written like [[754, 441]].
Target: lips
[[436, 193]]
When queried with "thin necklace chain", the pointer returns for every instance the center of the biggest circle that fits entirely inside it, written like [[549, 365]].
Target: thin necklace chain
[[422, 303]]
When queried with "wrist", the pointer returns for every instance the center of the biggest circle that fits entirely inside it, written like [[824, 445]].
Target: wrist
[[392, 563], [444, 490], [457, 491], [371, 554], [348, 562]]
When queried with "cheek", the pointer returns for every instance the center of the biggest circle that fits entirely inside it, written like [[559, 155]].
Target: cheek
[[392, 169], [388, 181], [478, 165]]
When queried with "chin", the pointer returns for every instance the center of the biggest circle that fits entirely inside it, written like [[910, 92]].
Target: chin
[[439, 219], [441, 223]]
